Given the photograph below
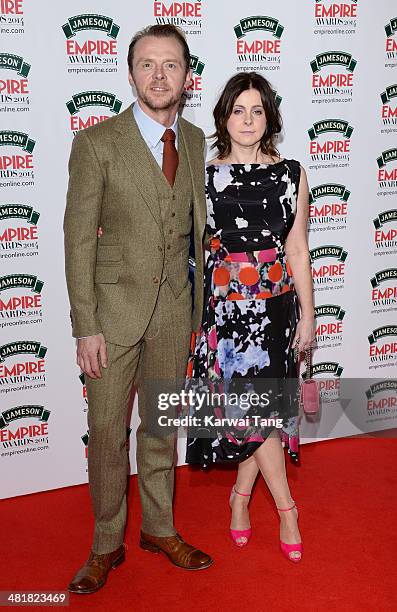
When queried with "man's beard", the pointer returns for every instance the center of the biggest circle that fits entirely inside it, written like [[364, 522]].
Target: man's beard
[[156, 105]]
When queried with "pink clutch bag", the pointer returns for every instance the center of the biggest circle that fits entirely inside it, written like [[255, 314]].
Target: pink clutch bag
[[309, 393]]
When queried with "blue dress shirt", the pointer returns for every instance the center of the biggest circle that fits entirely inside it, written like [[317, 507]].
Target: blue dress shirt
[[152, 132]]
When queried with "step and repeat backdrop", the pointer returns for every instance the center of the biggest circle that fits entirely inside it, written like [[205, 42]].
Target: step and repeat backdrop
[[333, 67]]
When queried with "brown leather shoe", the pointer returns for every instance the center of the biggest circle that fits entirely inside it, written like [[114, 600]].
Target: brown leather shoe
[[92, 576], [178, 552]]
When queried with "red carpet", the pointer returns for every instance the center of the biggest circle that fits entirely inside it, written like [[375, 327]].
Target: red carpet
[[347, 494]]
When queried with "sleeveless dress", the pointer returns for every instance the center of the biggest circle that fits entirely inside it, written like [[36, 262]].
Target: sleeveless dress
[[250, 314]]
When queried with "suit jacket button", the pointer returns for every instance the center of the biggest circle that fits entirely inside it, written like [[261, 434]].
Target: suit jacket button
[[172, 214], [160, 248], [155, 280], [168, 247]]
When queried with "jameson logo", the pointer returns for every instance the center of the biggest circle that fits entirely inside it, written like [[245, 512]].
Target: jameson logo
[[330, 331], [26, 281], [385, 217], [90, 22], [379, 387], [17, 139], [391, 42], [334, 85], [93, 98], [19, 211], [384, 275], [386, 237], [102, 51], [254, 45], [389, 93], [30, 372], [380, 347], [23, 412], [29, 435], [88, 99], [389, 108], [329, 190], [194, 88], [328, 251], [28, 347], [329, 310], [333, 58], [331, 368], [16, 166], [329, 213], [387, 156], [387, 403], [196, 66], [330, 141], [18, 237], [250, 24], [8, 61], [384, 297], [382, 332], [328, 275], [391, 27], [383, 344], [330, 125], [387, 177]]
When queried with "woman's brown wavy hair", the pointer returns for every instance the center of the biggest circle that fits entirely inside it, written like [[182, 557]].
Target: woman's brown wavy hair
[[224, 107]]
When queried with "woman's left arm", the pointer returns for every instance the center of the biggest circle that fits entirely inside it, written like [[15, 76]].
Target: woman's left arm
[[297, 252]]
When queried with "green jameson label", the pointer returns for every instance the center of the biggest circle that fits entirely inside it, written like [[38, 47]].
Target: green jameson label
[[387, 156], [385, 217], [14, 62], [93, 98], [327, 190], [384, 275], [23, 412], [328, 251], [383, 385], [259, 22], [391, 27], [19, 211], [327, 367], [381, 332], [16, 139], [330, 125], [329, 310], [24, 346], [90, 22], [196, 65], [277, 99], [390, 92], [336, 58], [28, 281]]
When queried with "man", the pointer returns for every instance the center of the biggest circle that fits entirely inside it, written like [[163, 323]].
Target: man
[[140, 177]]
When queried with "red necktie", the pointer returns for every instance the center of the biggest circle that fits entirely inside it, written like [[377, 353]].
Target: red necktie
[[170, 156]]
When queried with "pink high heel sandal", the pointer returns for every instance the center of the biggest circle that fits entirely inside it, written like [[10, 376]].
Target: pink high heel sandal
[[238, 534], [289, 549]]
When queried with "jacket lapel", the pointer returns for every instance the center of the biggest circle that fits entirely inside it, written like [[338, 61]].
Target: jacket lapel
[[136, 155], [196, 165]]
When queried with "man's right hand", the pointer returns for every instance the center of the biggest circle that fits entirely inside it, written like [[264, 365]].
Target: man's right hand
[[92, 355]]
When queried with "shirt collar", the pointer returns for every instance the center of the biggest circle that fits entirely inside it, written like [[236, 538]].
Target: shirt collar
[[151, 130]]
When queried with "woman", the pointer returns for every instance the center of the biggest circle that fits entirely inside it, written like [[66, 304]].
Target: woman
[[257, 210]]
